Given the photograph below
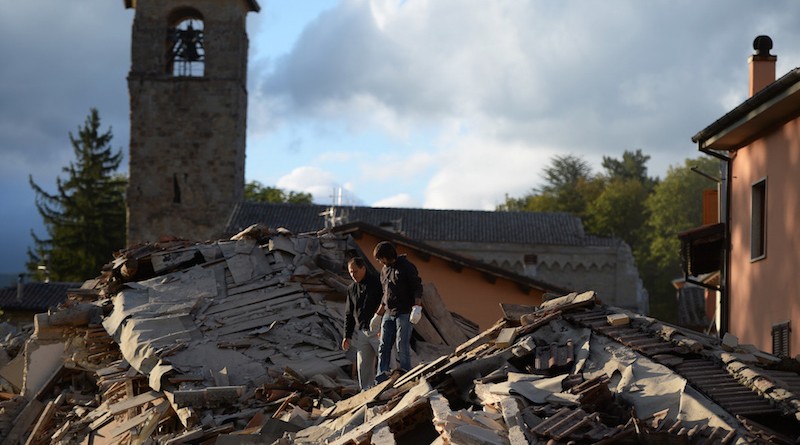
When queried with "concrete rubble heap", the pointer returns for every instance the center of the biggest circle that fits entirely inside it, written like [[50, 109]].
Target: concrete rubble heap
[[237, 342], [179, 341]]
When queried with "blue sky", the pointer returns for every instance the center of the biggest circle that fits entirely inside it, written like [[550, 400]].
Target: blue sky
[[447, 104]]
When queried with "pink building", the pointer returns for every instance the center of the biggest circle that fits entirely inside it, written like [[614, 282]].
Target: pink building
[[756, 245]]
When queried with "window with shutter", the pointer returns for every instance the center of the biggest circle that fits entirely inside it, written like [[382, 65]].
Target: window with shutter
[[780, 339]]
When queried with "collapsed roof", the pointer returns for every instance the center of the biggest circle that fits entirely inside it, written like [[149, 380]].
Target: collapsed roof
[[237, 341]]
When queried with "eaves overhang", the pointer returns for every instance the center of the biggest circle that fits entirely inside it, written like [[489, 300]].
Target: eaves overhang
[[773, 106]]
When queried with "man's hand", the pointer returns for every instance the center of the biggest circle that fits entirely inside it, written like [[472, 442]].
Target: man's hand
[[375, 323], [345, 344]]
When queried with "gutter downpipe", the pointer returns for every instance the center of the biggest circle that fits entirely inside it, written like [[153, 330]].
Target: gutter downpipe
[[724, 304]]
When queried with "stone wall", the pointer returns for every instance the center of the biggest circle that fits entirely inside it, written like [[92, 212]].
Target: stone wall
[[187, 147]]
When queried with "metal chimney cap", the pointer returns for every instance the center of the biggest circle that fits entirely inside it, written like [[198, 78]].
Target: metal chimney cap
[[762, 45]]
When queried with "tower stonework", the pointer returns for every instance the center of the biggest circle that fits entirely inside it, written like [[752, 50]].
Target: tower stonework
[[188, 104]]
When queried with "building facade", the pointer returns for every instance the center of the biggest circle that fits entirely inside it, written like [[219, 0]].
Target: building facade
[[759, 144]]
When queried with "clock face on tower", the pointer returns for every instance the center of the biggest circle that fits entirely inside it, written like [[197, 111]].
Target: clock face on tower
[[185, 52]]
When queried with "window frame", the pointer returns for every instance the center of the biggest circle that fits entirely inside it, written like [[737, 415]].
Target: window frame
[[758, 220], [781, 339]]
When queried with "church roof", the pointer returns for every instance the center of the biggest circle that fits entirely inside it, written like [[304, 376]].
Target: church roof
[[535, 228]]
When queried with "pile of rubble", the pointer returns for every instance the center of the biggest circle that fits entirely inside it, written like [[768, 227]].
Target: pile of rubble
[[237, 342], [573, 371], [181, 341]]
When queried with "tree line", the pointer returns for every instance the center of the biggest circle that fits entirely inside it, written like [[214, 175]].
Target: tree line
[[623, 201]]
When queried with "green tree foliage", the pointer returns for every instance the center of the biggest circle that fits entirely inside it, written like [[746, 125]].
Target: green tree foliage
[[85, 218], [569, 187], [674, 205], [625, 202], [619, 209], [565, 173], [633, 165], [255, 191]]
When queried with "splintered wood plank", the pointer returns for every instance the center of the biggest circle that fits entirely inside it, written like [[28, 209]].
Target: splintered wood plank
[[101, 420], [426, 330], [440, 317], [412, 403], [483, 337], [44, 419], [359, 399], [421, 369], [125, 426], [114, 368], [133, 402], [23, 421], [149, 425]]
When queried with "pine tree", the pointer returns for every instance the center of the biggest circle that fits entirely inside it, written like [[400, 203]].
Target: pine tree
[[85, 219]]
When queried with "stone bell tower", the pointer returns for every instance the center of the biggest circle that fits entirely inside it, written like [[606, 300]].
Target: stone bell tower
[[188, 98]]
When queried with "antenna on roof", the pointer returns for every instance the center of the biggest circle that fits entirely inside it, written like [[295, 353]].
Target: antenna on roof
[[336, 214]]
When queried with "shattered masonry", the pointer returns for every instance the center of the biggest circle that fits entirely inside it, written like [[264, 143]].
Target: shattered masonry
[[237, 342]]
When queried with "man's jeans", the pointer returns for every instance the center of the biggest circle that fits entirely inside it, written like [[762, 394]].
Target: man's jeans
[[366, 345], [394, 327]]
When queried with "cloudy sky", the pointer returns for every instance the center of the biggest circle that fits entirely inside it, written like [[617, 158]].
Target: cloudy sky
[[447, 104]]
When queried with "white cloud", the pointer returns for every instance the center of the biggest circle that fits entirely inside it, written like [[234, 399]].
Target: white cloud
[[480, 172], [399, 200], [500, 86], [319, 183], [397, 165]]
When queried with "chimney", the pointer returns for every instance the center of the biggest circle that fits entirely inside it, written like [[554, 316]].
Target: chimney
[[762, 65]]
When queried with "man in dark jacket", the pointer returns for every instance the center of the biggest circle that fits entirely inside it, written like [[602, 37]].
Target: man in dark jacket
[[363, 298], [402, 296]]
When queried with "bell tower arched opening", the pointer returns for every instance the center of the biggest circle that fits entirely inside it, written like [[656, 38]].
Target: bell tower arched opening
[[188, 99]]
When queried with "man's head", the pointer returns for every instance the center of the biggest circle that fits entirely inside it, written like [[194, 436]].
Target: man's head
[[385, 253], [357, 268]]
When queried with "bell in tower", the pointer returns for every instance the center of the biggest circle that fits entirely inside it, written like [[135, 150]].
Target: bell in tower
[[188, 99]]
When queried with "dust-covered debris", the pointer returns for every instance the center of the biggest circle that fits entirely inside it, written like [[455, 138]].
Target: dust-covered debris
[[237, 342], [183, 342]]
